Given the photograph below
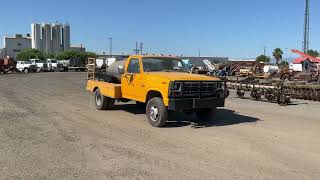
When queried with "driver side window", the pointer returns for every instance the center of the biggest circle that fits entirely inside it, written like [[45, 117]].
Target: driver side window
[[134, 66]]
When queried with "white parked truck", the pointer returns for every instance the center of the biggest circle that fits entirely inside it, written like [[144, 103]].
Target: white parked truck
[[41, 65], [54, 65], [26, 66]]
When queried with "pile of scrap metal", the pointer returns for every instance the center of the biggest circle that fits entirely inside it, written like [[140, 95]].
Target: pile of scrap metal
[[271, 91], [7, 65]]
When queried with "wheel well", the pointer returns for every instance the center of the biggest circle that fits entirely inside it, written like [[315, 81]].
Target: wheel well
[[94, 89], [152, 94]]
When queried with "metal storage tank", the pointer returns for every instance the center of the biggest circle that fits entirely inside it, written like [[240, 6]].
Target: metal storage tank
[[66, 37], [36, 42], [46, 28], [56, 38]]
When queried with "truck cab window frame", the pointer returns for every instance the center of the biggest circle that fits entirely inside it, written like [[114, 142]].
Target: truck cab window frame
[[134, 66]]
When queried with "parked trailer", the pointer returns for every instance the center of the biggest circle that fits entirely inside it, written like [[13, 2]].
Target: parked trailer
[[77, 65]]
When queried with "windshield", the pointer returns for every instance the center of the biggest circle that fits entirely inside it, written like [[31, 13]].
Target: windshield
[[163, 64]]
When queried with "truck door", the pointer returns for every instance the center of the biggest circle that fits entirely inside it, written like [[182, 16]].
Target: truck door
[[132, 81]]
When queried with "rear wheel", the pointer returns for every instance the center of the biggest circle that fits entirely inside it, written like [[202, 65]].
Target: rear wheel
[[102, 102], [157, 113], [206, 115]]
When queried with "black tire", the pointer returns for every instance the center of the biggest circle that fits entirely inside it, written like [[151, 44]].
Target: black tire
[[240, 93], [157, 112], [26, 70], [102, 102], [206, 115]]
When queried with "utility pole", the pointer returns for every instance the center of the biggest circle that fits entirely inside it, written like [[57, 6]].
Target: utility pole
[[306, 28], [264, 50], [199, 53], [110, 46], [136, 50], [141, 48]]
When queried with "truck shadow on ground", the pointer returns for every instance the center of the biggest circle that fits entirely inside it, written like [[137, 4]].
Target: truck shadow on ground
[[223, 117]]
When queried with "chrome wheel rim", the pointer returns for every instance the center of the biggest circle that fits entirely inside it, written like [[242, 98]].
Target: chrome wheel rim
[[154, 113], [98, 99]]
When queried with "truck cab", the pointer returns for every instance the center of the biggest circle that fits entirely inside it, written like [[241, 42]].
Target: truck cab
[[54, 65], [41, 65], [163, 84], [26, 66]]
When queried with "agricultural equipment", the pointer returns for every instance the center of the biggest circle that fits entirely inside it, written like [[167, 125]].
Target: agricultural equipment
[[6, 65], [271, 91]]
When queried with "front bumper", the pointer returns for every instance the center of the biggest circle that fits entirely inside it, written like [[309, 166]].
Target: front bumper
[[194, 104]]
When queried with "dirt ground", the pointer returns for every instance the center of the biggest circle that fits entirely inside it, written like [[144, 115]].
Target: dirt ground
[[50, 129]]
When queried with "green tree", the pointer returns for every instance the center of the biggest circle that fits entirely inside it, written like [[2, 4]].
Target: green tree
[[263, 58], [49, 56], [28, 54], [284, 63], [277, 54], [313, 53]]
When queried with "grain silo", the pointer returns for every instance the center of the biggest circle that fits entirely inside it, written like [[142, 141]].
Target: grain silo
[[56, 38], [46, 38], [66, 37], [36, 37]]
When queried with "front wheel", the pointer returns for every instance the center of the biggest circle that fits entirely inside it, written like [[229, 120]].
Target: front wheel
[[157, 112], [102, 102], [26, 70]]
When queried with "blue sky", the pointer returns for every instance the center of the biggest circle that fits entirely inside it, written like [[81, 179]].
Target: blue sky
[[233, 28]]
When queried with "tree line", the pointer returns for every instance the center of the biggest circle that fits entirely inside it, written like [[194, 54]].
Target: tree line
[[28, 54], [278, 54]]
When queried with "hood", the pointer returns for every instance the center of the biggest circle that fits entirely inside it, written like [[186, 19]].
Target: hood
[[180, 76]]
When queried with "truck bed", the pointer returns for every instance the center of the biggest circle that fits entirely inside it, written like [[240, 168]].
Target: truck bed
[[111, 90]]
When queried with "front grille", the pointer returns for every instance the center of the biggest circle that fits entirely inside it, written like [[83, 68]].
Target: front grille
[[199, 89]]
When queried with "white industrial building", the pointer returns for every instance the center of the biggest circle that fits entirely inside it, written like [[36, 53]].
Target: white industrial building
[[50, 38], [14, 45]]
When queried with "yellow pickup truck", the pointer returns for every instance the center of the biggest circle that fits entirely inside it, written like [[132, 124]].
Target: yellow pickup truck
[[160, 83]]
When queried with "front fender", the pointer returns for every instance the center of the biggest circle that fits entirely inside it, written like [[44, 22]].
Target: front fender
[[162, 91]]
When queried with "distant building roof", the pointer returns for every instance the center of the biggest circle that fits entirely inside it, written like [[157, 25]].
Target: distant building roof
[[302, 59]]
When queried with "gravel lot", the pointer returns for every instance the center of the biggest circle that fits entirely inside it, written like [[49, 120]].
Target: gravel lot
[[49, 129]]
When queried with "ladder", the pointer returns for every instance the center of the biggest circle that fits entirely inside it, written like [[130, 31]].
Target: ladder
[[91, 68]]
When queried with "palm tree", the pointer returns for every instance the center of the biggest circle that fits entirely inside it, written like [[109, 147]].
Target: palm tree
[[277, 54]]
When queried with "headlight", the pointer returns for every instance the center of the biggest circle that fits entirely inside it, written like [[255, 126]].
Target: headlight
[[221, 89], [175, 89], [177, 86]]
